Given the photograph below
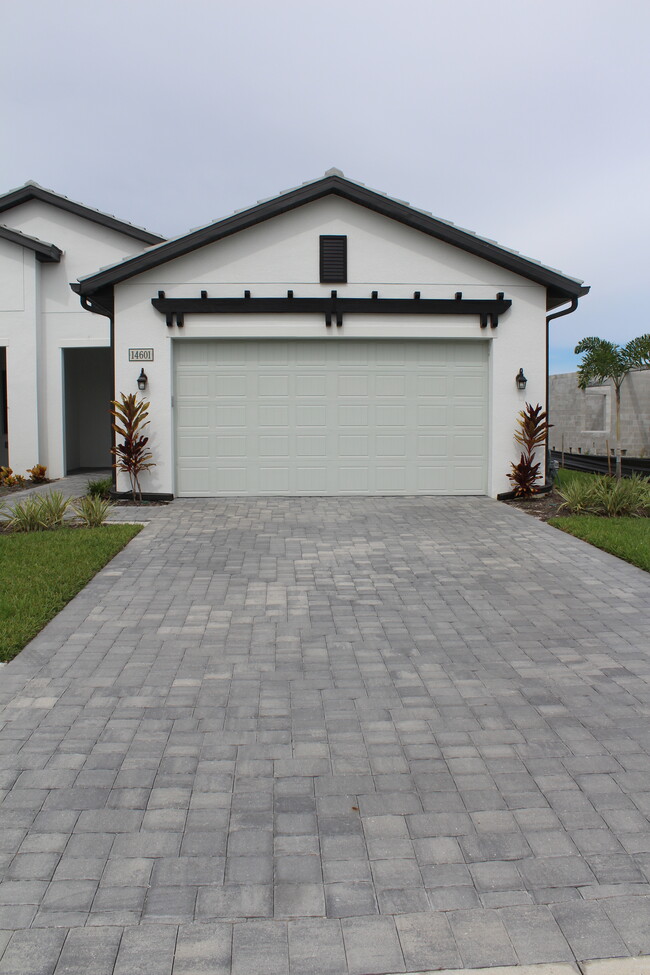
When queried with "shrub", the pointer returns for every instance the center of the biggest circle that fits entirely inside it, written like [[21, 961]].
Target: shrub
[[37, 473], [607, 496], [9, 479], [25, 516], [101, 488], [53, 508], [39, 513], [92, 510]]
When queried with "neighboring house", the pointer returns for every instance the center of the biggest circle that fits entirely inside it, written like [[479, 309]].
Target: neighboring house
[[328, 341], [584, 421], [56, 370]]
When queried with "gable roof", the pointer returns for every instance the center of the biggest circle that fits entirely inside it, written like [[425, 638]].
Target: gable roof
[[46, 253], [32, 191], [560, 288]]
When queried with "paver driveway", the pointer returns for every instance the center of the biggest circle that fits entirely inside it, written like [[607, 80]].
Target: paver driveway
[[328, 736]]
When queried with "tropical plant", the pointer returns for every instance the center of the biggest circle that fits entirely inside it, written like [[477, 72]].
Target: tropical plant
[[25, 516], [92, 510], [608, 496], [100, 488], [533, 427], [38, 513], [53, 508], [602, 361], [132, 456], [37, 473], [5, 472]]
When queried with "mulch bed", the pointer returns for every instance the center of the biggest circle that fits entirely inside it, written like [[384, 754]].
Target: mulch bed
[[541, 506]]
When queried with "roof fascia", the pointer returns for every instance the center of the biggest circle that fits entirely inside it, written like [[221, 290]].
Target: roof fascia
[[46, 253], [31, 192], [559, 287]]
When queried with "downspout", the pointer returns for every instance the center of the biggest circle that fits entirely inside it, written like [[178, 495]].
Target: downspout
[[549, 318]]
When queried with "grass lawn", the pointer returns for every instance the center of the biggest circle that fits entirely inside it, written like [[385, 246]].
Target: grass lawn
[[41, 571], [628, 538], [565, 476]]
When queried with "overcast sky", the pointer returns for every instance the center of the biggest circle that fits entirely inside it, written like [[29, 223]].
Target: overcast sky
[[523, 120]]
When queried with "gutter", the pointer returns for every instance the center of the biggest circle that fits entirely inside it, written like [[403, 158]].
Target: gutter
[[549, 318]]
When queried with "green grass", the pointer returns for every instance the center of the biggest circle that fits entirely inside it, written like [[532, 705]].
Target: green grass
[[565, 476], [628, 538], [40, 572]]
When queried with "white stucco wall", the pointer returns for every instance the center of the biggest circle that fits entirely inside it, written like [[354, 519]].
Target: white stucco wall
[[19, 334], [383, 255], [56, 317]]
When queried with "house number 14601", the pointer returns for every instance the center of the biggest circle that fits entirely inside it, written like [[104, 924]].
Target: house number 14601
[[140, 355]]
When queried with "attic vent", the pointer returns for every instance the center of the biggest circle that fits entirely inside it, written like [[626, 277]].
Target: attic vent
[[333, 259]]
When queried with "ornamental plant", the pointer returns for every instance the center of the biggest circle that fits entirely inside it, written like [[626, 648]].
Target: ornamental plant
[[37, 473], [132, 457], [533, 427]]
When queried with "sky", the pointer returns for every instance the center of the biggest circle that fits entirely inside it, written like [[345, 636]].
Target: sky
[[525, 121]]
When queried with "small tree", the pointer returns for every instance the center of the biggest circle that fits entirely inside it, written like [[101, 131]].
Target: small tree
[[603, 360], [132, 456], [533, 428]]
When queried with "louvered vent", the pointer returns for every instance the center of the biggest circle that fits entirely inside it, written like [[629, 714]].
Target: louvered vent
[[333, 259]]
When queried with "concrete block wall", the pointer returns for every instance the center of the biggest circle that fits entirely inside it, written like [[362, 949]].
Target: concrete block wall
[[586, 419]]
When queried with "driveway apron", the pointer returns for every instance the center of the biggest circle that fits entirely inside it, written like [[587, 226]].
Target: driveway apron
[[331, 736]]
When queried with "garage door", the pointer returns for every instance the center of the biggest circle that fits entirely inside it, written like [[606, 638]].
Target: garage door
[[320, 417]]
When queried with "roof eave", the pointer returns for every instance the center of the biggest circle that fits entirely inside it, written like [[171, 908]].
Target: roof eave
[[33, 192], [45, 253], [557, 284]]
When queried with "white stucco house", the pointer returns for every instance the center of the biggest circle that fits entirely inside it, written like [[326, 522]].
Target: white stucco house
[[56, 372], [331, 340]]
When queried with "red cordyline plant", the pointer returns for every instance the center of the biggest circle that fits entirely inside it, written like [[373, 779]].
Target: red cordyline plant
[[533, 429], [131, 457]]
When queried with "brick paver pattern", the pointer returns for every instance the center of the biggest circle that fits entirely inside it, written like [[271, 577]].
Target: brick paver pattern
[[329, 736]]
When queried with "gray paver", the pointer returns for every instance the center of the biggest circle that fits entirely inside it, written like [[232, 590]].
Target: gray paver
[[425, 718]]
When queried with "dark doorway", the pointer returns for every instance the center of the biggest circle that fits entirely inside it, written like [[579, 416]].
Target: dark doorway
[[88, 383]]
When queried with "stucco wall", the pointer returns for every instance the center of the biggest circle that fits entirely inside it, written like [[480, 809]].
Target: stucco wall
[[383, 255], [584, 421], [49, 319]]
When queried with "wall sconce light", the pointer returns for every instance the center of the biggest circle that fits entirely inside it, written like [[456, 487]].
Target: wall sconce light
[[521, 380], [142, 379]]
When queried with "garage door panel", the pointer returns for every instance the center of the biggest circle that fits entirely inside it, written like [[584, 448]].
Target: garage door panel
[[273, 416], [311, 385], [230, 416], [273, 446], [353, 446], [310, 416], [338, 416], [353, 416], [311, 446], [230, 446], [273, 480], [390, 416], [273, 385]]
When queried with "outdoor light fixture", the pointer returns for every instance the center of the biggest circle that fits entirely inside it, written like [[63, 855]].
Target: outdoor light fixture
[[520, 379], [142, 379]]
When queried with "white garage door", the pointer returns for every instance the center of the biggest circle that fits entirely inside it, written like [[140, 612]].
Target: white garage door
[[319, 417]]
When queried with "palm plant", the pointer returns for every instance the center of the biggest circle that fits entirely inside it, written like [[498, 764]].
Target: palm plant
[[132, 457], [604, 360]]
